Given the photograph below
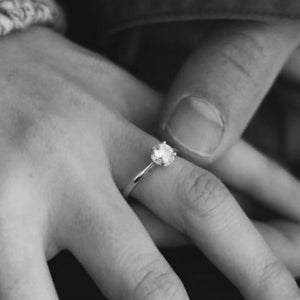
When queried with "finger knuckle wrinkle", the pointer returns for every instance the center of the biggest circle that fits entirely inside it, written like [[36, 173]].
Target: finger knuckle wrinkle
[[156, 284], [270, 273], [244, 52], [202, 193]]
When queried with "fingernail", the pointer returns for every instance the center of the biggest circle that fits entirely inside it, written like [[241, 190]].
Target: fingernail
[[196, 125]]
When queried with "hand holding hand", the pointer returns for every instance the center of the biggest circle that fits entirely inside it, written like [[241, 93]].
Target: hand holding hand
[[66, 151]]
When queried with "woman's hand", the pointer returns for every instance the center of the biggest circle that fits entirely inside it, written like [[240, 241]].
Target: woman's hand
[[66, 150], [61, 154], [216, 94], [228, 76]]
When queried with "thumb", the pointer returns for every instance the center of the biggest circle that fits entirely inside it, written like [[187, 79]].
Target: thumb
[[221, 85]]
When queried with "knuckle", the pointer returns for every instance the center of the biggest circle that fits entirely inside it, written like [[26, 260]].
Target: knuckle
[[155, 284], [244, 51], [270, 272], [23, 127], [201, 193], [40, 136]]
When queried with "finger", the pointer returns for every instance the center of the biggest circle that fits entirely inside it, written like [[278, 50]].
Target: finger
[[221, 85], [210, 217], [160, 232], [24, 273], [283, 237], [250, 171], [116, 250], [197, 204], [24, 238]]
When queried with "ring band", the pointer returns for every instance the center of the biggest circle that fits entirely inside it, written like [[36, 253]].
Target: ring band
[[162, 155]]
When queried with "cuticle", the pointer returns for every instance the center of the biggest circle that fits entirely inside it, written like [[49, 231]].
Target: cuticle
[[213, 107], [190, 151]]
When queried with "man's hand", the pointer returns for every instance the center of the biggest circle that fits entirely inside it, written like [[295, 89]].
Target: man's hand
[[219, 88]]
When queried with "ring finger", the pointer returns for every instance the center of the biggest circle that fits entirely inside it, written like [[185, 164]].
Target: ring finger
[[111, 243]]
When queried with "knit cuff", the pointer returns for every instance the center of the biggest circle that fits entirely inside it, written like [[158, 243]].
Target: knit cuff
[[18, 15]]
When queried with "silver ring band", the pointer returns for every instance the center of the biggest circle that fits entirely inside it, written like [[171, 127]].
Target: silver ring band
[[137, 179]]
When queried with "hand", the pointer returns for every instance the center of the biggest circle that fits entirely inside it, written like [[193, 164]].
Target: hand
[[65, 154], [221, 85]]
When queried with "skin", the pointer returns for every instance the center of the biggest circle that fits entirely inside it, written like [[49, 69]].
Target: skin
[[227, 77], [251, 172], [69, 142]]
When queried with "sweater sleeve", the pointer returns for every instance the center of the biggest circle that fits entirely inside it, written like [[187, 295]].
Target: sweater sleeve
[[16, 15]]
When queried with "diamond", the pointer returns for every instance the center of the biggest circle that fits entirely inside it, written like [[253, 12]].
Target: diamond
[[163, 155]]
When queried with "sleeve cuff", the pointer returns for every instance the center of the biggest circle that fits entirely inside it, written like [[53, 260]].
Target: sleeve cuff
[[17, 15]]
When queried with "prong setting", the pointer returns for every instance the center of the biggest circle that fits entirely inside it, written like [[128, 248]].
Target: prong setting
[[163, 155]]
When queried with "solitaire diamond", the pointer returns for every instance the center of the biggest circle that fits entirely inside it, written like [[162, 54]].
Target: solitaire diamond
[[163, 154]]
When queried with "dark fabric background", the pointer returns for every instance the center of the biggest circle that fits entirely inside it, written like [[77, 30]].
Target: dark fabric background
[[119, 14], [153, 52]]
